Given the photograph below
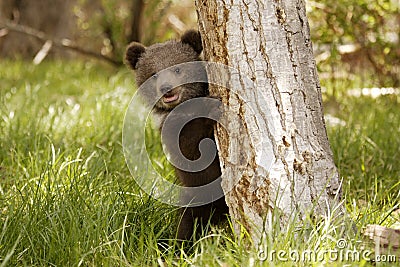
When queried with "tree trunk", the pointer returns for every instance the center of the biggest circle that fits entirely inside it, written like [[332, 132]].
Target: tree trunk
[[137, 12], [280, 161]]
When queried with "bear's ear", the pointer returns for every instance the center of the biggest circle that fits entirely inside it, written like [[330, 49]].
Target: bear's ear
[[193, 38], [133, 53]]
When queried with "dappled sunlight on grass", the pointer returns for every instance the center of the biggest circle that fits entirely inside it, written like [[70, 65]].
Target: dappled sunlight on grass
[[367, 151]]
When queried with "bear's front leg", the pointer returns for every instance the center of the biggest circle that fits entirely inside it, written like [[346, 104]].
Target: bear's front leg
[[214, 212], [186, 224]]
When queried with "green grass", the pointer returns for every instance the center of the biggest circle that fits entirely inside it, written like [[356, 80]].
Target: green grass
[[68, 199]]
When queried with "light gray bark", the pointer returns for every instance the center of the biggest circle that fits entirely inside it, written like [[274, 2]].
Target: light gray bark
[[282, 154]]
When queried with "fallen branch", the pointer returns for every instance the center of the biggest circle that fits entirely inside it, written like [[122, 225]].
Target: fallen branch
[[64, 43], [384, 238], [43, 52]]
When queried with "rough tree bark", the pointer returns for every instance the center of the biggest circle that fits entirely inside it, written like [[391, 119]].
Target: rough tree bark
[[282, 153]]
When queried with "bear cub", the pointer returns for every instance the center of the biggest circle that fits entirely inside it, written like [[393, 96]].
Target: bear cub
[[169, 91]]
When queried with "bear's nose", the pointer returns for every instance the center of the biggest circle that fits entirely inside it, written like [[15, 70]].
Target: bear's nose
[[165, 88]]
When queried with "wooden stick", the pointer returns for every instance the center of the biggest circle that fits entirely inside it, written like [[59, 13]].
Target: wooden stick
[[384, 238]]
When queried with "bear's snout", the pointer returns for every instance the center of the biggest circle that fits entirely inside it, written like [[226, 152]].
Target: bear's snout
[[165, 88]]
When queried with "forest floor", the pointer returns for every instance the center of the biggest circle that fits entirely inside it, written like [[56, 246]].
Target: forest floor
[[67, 197]]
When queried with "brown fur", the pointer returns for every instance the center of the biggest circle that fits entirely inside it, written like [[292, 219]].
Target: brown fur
[[148, 61]]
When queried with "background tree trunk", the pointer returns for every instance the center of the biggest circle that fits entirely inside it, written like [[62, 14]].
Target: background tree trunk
[[282, 153], [136, 13]]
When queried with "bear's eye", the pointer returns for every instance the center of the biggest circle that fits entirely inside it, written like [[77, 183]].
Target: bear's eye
[[177, 70], [154, 75]]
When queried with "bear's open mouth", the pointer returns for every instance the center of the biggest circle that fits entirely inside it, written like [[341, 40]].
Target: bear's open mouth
[[170, 97]]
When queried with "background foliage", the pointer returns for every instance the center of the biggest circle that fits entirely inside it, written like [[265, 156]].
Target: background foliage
[[362, 34], [351, 38]]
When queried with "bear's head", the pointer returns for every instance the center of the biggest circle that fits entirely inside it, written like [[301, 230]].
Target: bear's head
[[161, 67]]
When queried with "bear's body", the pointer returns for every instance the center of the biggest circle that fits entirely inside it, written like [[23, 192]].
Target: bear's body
[[150, 63]]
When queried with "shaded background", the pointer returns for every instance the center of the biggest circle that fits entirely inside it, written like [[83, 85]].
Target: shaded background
[[353, 39]]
